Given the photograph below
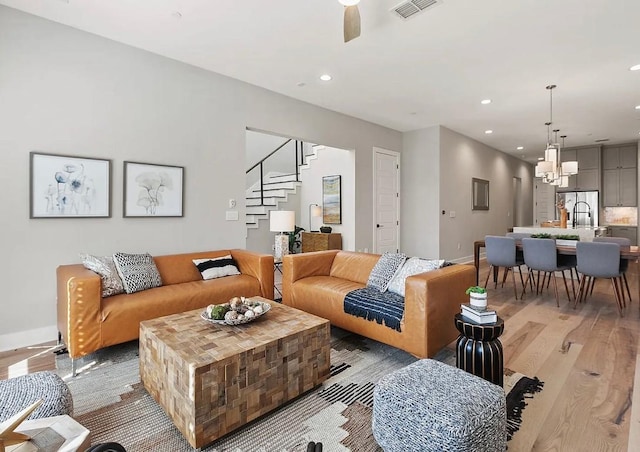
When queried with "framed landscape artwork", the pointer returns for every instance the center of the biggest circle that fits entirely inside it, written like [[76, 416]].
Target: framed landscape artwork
[[152, 190], [63, 186], [331, 200]]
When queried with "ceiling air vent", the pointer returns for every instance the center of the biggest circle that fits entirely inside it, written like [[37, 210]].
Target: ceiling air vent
[[410, 8], [602, 140]]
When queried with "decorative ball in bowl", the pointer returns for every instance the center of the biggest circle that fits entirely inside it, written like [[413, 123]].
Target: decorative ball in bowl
[[237, 311]]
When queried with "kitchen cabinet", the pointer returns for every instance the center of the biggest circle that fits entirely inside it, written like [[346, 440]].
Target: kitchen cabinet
[[630, 232], [588, 177], [321, 241], [620, 176]]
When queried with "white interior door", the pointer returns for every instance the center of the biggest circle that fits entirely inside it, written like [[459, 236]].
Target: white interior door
[[386, 191]]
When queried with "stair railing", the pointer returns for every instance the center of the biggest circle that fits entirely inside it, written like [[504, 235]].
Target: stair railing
[[299, 153]]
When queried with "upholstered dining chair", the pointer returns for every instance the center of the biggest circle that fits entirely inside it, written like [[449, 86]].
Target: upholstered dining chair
[[624, 263], [501, 252], [599, 260], [540, 255], [519, 255]]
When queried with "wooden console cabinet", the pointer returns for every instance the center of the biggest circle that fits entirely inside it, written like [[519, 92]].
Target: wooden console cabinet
[[319, 241]]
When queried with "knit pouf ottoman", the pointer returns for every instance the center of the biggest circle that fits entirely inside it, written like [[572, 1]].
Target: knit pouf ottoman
[[431, 406], [19, 392]]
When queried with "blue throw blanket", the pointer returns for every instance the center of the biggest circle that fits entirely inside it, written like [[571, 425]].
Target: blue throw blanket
[[370, 304]]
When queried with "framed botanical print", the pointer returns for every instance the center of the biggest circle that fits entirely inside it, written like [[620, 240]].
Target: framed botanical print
[[152, 190], [64, 186]]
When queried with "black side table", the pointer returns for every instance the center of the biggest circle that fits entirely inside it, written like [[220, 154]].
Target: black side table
[[478, 349]]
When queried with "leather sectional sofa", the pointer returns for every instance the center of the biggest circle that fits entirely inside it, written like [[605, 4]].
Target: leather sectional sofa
[[87, 322], [318, 282]]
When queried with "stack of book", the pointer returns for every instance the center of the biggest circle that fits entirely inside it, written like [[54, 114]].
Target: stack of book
[[478, 315]]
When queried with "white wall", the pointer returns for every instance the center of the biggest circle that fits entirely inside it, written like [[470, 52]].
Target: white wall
[[67, 91], [331, 161]]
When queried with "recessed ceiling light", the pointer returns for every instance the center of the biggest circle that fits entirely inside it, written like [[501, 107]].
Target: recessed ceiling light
[[635, 68], [637, 107], [520, 148], [325, 77], [349, 2], [485, 101], [488, 132]]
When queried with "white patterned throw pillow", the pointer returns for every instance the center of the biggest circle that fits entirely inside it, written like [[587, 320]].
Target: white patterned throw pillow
[[217, 267], [412, 266], [137, 271], [384, 270], [105, 267]]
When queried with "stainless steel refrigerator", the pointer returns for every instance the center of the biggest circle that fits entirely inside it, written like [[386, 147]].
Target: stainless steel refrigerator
[[582, 208]]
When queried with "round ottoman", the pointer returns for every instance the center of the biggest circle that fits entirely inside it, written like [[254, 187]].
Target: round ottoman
[[431, 406], [19, 392]]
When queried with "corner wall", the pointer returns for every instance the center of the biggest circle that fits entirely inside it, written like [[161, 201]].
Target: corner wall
[[461, 159]]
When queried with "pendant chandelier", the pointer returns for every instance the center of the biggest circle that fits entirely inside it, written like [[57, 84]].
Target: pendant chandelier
[[552, 169]]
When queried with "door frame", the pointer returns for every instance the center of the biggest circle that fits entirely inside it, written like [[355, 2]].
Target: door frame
[[396, 155]]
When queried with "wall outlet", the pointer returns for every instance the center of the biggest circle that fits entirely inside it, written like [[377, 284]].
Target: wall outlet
[[458, 246], [366, 250], [232, 203], [231, 215]]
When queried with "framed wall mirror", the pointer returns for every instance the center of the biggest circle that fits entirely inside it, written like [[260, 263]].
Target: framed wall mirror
[[480, 194]]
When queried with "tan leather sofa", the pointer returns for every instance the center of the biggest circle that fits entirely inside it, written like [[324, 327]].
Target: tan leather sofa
[[88, 322], [318, 282]]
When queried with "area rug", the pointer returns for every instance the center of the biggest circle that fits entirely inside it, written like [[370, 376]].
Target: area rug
[[112, 403]]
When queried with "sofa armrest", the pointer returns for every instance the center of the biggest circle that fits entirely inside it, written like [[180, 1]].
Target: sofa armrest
[[260, 266], [299, 266], [432, 299], [79, 306]]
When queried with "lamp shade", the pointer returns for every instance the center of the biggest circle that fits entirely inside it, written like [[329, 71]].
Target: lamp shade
[[544, 167], [282, 221], [316, 210], [569, 168]]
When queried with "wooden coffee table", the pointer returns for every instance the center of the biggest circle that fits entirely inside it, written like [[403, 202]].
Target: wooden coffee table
[[212, 379]]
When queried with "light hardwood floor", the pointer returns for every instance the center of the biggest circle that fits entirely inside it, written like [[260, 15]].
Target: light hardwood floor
[[588, 359]]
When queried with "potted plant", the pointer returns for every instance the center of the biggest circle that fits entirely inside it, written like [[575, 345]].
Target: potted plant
[[477, 296]]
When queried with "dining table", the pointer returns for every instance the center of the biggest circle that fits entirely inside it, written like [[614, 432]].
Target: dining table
[[632, 253]]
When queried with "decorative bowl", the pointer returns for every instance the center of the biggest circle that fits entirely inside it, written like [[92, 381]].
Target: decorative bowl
[[265, 309]]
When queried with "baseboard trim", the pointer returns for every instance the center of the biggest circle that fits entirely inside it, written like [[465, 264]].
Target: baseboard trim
[[26, 338]]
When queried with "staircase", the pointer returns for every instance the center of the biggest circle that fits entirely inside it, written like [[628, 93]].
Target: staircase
[[277, 188]]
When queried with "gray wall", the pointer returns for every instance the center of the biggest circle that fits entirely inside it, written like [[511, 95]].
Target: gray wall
[[437, 165], [67, 91], [461, 159]]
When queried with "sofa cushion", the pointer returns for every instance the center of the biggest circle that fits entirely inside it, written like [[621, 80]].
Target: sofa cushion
[[412, 266], [211, 268], [384, 271], [179, 268], [137, 271], [353, 266], [106, 268]]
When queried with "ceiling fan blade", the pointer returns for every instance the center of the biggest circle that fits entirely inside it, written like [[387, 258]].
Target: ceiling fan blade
[[351, 23]]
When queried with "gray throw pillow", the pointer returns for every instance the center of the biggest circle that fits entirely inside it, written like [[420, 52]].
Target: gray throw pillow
[[137, 271], [385, 269], [412, 266], [105, 267]]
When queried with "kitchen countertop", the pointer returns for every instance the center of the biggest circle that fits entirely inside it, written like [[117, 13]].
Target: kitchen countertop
[[586, 233]]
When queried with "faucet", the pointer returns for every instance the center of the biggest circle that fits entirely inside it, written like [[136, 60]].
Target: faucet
[[574, 222]]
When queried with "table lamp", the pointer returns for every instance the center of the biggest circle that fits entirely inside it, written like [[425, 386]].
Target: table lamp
[[314, 211], [282, 221]]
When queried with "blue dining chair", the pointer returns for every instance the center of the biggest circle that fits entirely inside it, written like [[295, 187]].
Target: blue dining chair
[[599, 260], [624, 263], [501, 252], [540, 255]]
